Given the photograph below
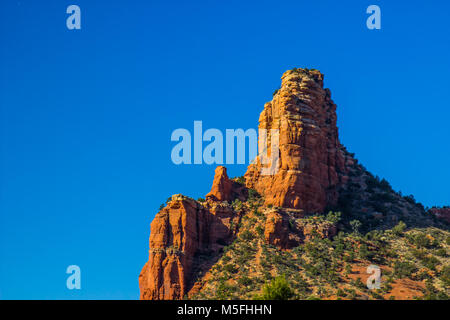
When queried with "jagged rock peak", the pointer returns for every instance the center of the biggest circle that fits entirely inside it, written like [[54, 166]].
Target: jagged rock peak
[[221, 189]]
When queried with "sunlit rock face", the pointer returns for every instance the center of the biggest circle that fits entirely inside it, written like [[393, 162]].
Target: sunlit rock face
[[311, 159]]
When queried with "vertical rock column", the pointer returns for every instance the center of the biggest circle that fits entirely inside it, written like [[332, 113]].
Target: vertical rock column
[[311, 160]]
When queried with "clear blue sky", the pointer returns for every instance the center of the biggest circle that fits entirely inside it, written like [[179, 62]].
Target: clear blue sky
[[86, 115]]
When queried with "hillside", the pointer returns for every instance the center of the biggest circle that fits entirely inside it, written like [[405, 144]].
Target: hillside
[[311, 228]]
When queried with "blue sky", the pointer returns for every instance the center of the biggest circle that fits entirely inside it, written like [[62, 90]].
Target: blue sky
[[86, 115]]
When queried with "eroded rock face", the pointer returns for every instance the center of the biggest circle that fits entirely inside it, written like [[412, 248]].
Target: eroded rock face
[[185, 237], [224, 189], [175, 237], [285, 231], [276, 230], [311, 159], [222, 186]]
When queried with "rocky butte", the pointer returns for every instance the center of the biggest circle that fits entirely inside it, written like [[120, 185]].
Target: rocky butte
[[251, 229]]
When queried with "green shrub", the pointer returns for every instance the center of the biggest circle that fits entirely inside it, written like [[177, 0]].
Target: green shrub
[[333, 217], [364, 252], [356, 225], [260, 230], [359, 284], [240, 180], [431, 293], [376, 295], [340, 293], [277, 289], [244, 281], [351, 293], [253, 194], [404, 269], [231, 268], [237, 205], [430, 262], [445, 276], [348, 269], [257, 213], [247, 235], [441, 252], [423, 240], [399, 228], [223, 291]]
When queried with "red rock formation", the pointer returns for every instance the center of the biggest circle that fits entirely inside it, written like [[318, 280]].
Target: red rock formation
[[221, 189], [285, 231], [311, 159], [313, 171], [276, 230], [183, 232], [174, 238]]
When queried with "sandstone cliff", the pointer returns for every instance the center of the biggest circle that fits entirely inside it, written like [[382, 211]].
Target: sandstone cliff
[[186, 233], [311, 158]]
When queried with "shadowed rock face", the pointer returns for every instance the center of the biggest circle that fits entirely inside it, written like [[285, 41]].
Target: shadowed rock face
[[311, 158], [441, 213]]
